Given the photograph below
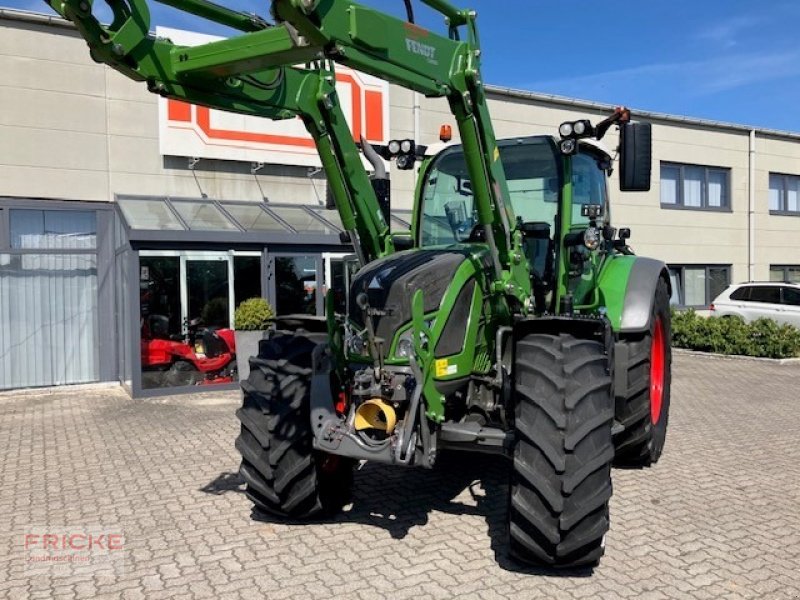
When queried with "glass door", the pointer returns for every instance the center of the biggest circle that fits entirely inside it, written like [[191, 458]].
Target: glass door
[[297, 281], [339, 270], [207, 285]]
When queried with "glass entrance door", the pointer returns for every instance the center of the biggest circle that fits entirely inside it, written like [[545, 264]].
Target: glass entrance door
[[339, 270], [208, 290], [297, 283]]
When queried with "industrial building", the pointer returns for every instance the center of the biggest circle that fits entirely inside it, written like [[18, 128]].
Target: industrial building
[[116, 204]]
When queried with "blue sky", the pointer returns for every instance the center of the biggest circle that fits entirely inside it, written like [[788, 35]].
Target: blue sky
[[728, 60]]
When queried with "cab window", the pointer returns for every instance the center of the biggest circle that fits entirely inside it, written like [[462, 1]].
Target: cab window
[[448, 214], [588, 186]]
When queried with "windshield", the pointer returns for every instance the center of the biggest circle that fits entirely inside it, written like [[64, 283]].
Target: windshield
[[448, 212]]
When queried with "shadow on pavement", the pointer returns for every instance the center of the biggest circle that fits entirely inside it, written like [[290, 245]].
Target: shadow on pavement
[[224, 482], [398, 499]]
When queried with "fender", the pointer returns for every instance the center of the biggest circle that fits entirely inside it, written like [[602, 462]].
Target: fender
[[627, 289]]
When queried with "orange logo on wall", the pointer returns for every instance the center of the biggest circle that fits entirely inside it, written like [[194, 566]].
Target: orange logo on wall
[[366, 119], [197, 131]]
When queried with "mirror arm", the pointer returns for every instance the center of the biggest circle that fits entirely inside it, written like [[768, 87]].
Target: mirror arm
[[621, 115]]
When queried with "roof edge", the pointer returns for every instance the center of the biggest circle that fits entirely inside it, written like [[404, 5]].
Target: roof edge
[[602, 106], [29, 16]]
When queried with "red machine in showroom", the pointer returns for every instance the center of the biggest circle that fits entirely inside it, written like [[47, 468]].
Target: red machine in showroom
[[203, 356]]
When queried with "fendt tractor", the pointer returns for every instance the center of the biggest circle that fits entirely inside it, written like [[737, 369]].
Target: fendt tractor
[[511, 319]]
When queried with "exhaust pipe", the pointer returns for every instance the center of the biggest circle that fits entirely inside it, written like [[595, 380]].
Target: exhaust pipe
[[376, 414]]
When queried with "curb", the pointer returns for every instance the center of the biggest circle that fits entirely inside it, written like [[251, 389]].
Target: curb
[[771, 361], [60, 389]]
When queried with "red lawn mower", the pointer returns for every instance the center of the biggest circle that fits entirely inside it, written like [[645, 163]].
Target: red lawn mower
[[203, 356]]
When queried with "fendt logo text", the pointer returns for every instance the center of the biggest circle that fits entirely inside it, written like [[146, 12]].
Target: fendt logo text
[[421, 49]]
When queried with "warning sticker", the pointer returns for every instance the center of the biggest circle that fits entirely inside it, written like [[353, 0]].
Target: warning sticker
[[443, 368]]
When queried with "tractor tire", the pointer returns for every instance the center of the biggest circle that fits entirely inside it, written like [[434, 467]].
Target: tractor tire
[[644, 413], [285, 476], [182, 373], [561, 478]]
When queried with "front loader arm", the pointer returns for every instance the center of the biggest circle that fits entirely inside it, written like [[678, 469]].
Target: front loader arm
[[252, 73], [410, 56], [266, 88]]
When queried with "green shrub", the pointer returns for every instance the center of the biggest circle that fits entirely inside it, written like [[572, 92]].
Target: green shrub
[[731, 335], [215, 312], [254, 314]]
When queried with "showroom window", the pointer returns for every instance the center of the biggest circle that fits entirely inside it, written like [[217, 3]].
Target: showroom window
[[696, 286], [50, 315], [784, 194], [695, 187], [785, 273], [179, 288]]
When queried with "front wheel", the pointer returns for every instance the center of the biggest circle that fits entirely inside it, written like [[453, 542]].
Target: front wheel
[[561, 479], [644, 411], [285, 476]]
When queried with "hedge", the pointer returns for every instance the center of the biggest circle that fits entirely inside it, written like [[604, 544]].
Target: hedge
[[731, 335]]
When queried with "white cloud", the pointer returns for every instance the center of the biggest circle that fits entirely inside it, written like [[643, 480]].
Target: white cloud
[[687, 79], [725, 33]]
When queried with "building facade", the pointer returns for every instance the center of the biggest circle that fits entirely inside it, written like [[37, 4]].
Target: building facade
[[103, 224]]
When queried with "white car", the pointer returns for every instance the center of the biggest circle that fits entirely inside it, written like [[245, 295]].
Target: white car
[[778, 301]]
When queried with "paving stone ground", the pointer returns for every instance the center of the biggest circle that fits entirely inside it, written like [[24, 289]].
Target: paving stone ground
[[718, 517]]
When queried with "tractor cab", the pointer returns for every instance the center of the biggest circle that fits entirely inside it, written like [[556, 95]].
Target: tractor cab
[[540, 178]]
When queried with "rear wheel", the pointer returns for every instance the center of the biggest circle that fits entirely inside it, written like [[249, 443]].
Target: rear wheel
[[182, 373], [644, 412], [561, 480], [284, 474]]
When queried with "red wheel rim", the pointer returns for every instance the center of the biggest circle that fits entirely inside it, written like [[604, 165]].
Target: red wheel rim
[[657, 366]]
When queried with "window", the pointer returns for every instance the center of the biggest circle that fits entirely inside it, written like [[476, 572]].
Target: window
[[202, 216], [698, 285], [246, 278], [784, 194], [588, 186], [695, 187], [743, 293], [791, 296], [53, 229], [302, 220], [252, 218], [149, 214], [52, 291], [785, 273], [765, 293], [448, 213], [295, 285]]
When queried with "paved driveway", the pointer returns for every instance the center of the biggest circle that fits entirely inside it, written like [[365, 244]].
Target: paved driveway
[[719, 517]]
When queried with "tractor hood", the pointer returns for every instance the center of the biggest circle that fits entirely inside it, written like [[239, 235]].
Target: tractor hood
[[390, 284]]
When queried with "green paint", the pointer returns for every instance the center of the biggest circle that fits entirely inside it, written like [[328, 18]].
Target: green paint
[[612, 284]]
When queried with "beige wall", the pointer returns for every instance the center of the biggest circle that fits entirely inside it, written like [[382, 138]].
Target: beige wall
[[71, 129]]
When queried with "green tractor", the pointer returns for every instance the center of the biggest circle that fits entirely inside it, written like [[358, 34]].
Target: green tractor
[[512, 319]]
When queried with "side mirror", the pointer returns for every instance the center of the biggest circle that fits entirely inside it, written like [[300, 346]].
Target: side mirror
[[635, 156], [402, 241]]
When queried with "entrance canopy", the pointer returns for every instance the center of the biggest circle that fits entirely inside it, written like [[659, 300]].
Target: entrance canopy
[[165, 219]]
